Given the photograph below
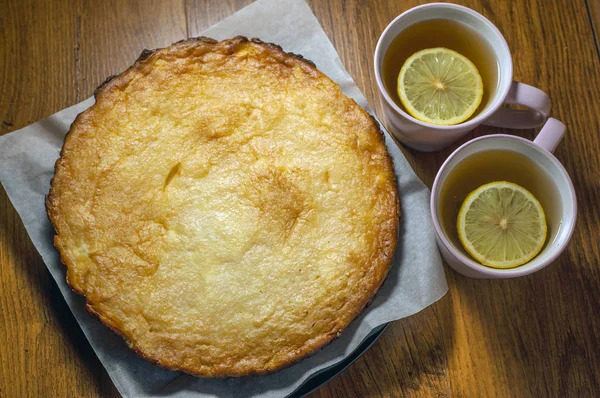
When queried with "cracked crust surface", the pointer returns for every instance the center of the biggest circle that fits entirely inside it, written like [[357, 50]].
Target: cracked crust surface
[[224, 207]]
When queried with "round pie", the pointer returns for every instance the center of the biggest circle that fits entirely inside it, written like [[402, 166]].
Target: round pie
[[224, 207]]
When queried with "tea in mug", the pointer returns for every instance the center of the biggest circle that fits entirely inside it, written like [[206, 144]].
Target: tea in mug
[[496, 165], [441, 33]]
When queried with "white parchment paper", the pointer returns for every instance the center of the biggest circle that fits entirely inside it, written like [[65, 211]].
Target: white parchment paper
[[415, 281]]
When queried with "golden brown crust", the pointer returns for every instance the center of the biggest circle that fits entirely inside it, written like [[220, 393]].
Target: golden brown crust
[[128, 192]]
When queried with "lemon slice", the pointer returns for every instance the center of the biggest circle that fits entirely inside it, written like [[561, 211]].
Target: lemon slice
[[440, 86], [502, 225]]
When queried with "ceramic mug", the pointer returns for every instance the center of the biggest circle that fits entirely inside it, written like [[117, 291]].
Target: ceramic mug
[[540, 152], [427, 137]]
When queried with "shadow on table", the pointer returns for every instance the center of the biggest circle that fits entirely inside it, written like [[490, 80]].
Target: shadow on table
[[45, 290], [410, 357], [533, 334]]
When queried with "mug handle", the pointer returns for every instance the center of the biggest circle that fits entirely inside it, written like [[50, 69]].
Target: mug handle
[[550, 135], [535, 99]]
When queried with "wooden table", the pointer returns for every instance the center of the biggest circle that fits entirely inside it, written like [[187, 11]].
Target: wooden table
[[534, 336]]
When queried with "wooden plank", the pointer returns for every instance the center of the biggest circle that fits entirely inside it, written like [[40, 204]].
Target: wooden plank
[[52, 55], [202, 14], [42, 348], [594, 11], [37, 64], [114, 33]]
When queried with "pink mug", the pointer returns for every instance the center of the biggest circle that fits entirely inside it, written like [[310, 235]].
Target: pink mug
[[427, 137], [540, 152]]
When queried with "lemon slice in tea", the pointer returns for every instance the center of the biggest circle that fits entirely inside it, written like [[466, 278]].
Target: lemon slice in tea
[[502, 225], [440, 86]]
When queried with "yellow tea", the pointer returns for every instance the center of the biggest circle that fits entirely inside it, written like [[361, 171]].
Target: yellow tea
[[497, 165], [441, 33]]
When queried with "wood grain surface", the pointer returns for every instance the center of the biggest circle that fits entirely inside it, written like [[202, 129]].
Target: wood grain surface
[[534, 336]]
